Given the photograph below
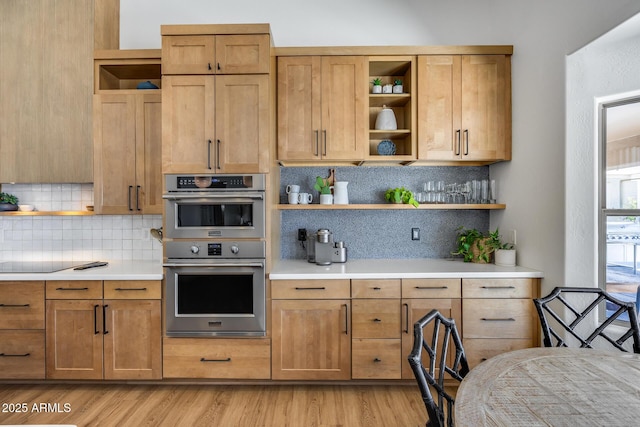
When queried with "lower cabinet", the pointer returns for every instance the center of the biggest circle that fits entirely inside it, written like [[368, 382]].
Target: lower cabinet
[[221, 358], [22, 350], [115, 337], [311, 329]]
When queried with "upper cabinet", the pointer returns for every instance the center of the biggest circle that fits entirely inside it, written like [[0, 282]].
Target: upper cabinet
[[322, 108], [215, 98], [464, 108]]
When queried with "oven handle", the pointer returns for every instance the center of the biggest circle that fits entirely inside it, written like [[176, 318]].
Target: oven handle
[[259, 196], [230, 264]]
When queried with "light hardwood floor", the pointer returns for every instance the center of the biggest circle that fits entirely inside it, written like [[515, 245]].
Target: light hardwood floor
[[107, 405]]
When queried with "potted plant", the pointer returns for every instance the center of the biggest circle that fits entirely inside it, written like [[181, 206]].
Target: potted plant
[[474, 245], [504, 252], [397, 86], [322, 185], [8, 202], [400, 195], [377, 85]]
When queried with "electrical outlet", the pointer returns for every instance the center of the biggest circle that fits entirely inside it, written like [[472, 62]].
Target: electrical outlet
[[415, 234], [302, 234]]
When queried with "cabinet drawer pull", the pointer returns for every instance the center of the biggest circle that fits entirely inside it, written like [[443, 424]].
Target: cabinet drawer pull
[[15, 355], [466, 142], [218, 142], [129, 198], [138, 197], [377, 360], [228, 359], [377, 320], [427, 288], [346, 318], [14, 305], [95, 319], [316, 151], [322, 288], [406, 312], [209, 154], [209, 66], [72, 289], [505, 319], [498, 287], [457, 147], [104, 319], [130, 289]]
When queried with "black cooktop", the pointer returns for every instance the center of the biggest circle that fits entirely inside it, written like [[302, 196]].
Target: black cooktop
[[37, 266]]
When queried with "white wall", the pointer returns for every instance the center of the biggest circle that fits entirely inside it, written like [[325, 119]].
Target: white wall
[[543, 32]]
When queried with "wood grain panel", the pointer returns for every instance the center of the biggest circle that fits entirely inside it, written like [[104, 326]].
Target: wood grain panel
[[498, 318], [479, 350], [22, 354], [21, 305], [74, 289], [375, 318], [431, 288], [132, 289], [310, 289], [498, 288], [375, 288], [376, 359]]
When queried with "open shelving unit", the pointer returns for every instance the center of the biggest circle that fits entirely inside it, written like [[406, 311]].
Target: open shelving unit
[[387, 206]]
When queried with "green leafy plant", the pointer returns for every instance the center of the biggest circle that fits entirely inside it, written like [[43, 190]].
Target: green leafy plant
[[8, 198], [495, 241], [322, 185], [476, 246], [377, 81], [400, 195], [397, 82]]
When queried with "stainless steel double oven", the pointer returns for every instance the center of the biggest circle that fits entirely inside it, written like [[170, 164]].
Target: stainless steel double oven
[[215, 255]]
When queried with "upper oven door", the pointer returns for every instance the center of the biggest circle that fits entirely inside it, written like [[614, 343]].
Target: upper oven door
[[226, 215]]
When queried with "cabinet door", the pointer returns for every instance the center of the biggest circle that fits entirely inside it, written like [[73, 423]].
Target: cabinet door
[[439, 129], [132, 339], [188, 54], [188, 124], [242, 124], [149, 153], [311, 340], [413, 310], [22, 305], [344, 108], [242, 54], [114, 153], [299, 106], [74, 339], [484, 107]]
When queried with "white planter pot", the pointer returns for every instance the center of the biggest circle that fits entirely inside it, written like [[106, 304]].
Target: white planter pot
[[397, 89], [326, 199], [376, 89], [505, 257], [387, 89]]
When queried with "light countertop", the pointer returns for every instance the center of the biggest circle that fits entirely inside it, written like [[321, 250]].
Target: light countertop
[[396, 269], [116, 270]]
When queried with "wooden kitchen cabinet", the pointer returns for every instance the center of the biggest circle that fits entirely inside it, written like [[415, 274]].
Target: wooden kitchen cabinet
[[127, 153], [311, 330], [419, 297], [375, 320], [22, 336], [215, 54], [215, 124], [322, 108], [115, 337], [498, 316], [464, 108]]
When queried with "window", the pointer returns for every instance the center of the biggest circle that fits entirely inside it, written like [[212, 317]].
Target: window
[[619, 230]]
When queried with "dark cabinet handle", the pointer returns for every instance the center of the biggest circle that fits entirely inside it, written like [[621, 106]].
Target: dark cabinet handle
[[104, 319], [498, 287], [406, 314], [129, 198], [377, 320], [218, 66], [324, 145], [316, 151], [310, 289], [15, 355], [72, 289], [346, 318], [218, 143], [14, 305], [377, 360], [457, 144], [138, 197], [228, 359], [427, 288], [505, 319], [466, 142], [130, 289], [376, 288], [209, 153], [95, 319], [209, 66]]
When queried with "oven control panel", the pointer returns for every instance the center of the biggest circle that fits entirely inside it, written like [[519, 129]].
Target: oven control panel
[[212, 250], [214, 182]]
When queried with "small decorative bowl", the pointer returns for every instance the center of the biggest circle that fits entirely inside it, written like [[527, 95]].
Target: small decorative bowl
[[26, 208], [386, 148]]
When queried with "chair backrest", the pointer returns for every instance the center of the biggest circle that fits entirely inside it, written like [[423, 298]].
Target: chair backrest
[[570, 319], [439, 347]]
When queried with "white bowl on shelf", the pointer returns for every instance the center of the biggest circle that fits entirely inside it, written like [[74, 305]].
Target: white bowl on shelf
[[26, 208]]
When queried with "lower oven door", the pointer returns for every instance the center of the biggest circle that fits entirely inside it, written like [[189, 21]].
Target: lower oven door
[[222, 299]]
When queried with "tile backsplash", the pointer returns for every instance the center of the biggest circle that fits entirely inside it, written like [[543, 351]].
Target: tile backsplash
[[75, 238]]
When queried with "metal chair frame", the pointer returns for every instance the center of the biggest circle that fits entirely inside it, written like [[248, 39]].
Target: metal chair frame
[[434, 375], [542, 306]]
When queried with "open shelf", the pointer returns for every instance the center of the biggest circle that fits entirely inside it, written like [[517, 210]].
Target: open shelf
[[123, 70], [387, 206], [47, 213]]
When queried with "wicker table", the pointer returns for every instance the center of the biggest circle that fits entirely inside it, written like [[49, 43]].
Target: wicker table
[[552, 387]]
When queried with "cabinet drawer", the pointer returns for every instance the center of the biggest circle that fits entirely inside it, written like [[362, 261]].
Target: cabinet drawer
[[132, 289], [21, 305], [375, 288], [479, 350], [497, 318], [74, 289], [22, 355], [375, 318], [498, 288], [310, 289], [216, 358], [376, 359], [431, 288]]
